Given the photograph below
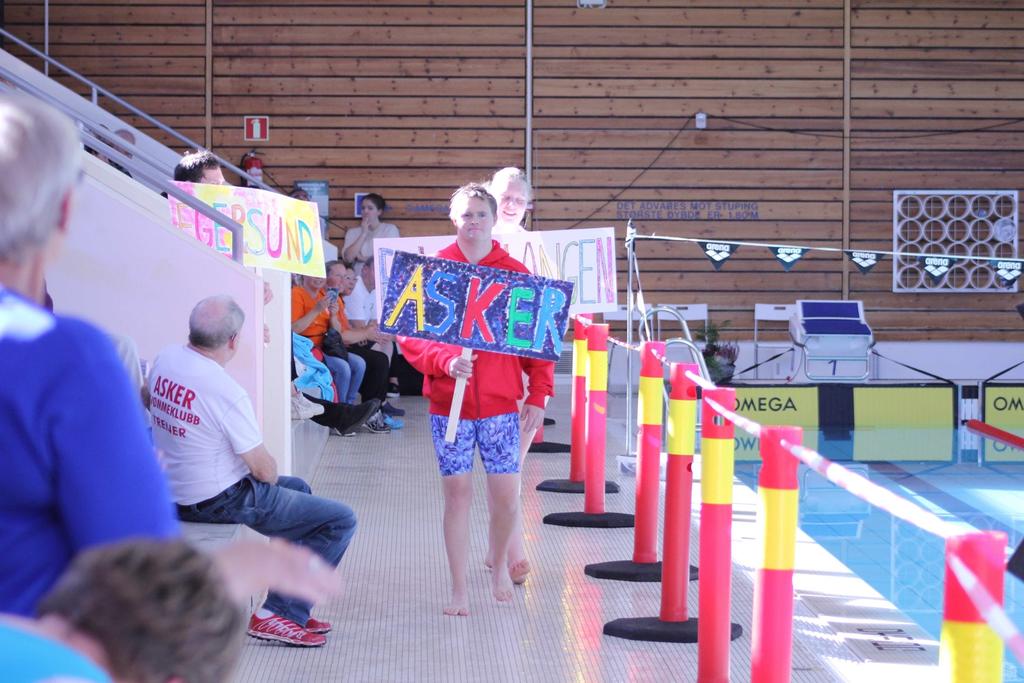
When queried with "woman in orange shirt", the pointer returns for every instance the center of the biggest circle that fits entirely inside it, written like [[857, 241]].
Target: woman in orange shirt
[[313, 313]]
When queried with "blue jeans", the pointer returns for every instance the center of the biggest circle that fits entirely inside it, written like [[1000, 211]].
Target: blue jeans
[[348, 375], [287, 510]]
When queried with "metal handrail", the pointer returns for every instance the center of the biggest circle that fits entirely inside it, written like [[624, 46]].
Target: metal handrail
[[84, 124], [95, 88], [164, 184], [687, 341], [141, 168]]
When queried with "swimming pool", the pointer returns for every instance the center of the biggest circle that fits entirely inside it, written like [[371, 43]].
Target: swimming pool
[[978, 488]]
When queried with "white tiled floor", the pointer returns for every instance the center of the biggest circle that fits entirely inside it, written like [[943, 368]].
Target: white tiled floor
[[389, 626]]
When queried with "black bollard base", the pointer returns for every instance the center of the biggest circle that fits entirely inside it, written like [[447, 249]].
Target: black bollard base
[[604, 520], [549, 447], [569, 486], [627, 570], [652, 629]]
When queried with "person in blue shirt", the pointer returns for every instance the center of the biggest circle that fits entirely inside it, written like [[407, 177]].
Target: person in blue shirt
[[79, 469]]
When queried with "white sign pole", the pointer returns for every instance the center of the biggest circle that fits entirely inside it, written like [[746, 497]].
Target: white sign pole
[[460, 391]]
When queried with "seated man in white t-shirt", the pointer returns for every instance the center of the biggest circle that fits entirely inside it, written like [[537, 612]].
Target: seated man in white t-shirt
[[220, 472]]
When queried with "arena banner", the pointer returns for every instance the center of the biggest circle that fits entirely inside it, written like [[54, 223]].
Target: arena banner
[[776, 405], [895, 423], [488, 309], [280, 232], [1003, 408], [582, 256]]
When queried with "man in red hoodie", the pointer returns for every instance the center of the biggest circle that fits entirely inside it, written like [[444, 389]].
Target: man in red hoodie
[[490, 418]]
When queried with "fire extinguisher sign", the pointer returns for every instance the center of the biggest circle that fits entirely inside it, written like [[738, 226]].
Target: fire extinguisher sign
[[257, 128]]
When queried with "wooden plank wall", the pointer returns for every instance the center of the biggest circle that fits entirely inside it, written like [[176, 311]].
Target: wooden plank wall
[[410, 98], [150, 53], [936, 88], [615, 87]]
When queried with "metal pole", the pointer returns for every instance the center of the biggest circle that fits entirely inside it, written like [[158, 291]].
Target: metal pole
[[188, 142], [46, 35], [529, 93], [630, 258]]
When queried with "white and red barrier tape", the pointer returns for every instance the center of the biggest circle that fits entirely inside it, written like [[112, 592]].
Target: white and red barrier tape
[[993, 613]]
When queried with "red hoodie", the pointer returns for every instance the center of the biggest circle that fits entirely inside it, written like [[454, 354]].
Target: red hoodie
[[497, 381]]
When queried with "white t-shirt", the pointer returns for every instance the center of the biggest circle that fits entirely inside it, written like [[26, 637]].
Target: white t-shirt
[[361, 304], [202, 420]]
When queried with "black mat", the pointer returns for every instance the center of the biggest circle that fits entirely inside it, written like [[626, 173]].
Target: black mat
[[569, 486]]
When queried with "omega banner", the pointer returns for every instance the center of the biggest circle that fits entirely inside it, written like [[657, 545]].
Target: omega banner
[[1003, 408], [898, 422], [795, 406]]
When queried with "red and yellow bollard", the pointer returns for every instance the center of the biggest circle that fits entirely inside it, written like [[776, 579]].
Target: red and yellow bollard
[[969, 650], [682, 435], [648, 469], [714, 589], [578, 405], [674, 624], [594, 485], [597, 415], [772, 637], [578, 445]]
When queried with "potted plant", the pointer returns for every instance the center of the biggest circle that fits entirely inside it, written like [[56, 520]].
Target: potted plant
[[720, 356]]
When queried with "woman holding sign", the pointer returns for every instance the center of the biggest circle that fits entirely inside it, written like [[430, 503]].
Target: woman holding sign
[[490, 418]]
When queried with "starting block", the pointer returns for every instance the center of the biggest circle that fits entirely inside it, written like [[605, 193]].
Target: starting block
[[835, 338]]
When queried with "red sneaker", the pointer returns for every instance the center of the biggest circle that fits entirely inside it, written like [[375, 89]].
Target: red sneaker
[[317, 626], [283, 630]]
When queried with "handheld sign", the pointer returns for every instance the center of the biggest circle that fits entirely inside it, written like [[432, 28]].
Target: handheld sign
[[280, 232], [476, 307], [583, 256]]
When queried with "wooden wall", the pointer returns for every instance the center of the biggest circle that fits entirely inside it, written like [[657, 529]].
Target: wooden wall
[[411, 98]]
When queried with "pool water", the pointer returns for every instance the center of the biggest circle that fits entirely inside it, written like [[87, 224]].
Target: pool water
[[897, 559]]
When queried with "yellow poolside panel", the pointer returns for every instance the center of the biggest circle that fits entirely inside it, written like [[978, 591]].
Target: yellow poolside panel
[[1004, 408], [883, 406], [903, 423], [903, 443], [794, 406]]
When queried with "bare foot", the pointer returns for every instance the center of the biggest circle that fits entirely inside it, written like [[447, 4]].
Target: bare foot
[[501, 584], [518, 571], [458, 606]]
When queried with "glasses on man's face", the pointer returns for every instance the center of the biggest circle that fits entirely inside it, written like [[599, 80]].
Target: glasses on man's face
[[515, 201]]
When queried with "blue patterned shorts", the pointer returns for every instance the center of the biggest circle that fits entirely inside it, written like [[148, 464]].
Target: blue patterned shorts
[[497, 437]]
